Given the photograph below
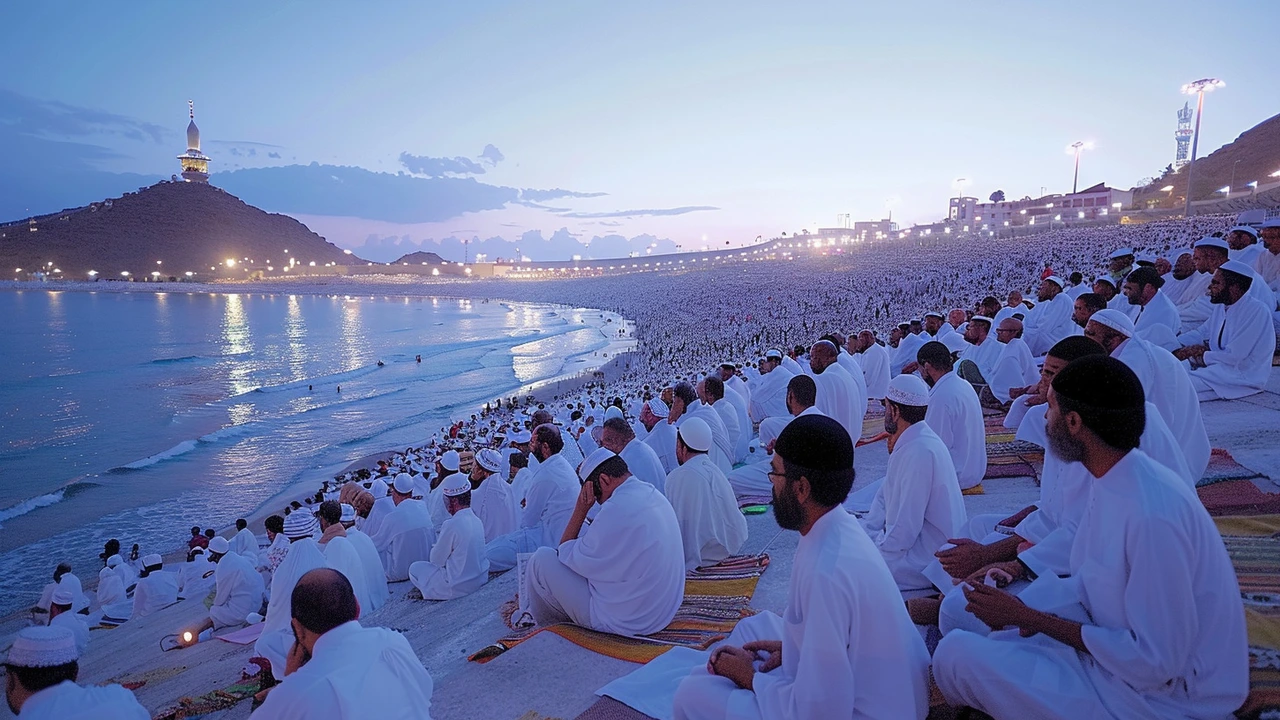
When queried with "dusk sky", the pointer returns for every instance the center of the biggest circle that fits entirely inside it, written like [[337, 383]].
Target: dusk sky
[[701, 123]]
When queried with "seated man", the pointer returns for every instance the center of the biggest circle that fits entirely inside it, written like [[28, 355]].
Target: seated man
[[845, 646], [40, 682], [458, 565], [548, 502], [617, 436], [1015, 369], [156, 588], [919, 505], [239, 589], [405, 534], [491, 498], [337, 669], [195, 577], [624, 575], [304, 556], [60, 615], [955, 414], [1123, 636], [375, 579], [752, 479], [711, 525], [1229, 356]]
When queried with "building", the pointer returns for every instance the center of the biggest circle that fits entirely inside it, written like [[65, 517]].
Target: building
[[962, 209], [1093, 203], [195, 165]]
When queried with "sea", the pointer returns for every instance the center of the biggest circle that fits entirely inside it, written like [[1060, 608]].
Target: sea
[[136, 415]]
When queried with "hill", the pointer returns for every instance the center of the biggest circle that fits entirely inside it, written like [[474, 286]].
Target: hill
[[415, 258], [1254, 155], [187, 227]]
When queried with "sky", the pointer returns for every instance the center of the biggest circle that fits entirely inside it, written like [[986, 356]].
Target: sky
[[593, 128]]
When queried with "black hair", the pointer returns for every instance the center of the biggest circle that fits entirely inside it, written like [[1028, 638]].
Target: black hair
[[1107, 396], [322, 600], [936, 354], [275, 524], [37, 679], [803, 389]]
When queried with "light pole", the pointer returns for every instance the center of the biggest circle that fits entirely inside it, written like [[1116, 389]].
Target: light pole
[[1198, 88], [1076, 147]]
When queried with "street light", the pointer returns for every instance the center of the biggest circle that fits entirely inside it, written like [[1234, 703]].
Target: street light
[[1197, 88], [1076, 147]]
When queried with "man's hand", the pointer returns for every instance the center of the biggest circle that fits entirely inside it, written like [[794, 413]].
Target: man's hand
[[910, 368], [768, 448], [298, 656], [734, 663], [964, 559], [1187, 352], [586, 498], [1036, 399], [1015, 393], [772, 647], [1013, 569], [997, 608], [1013, 520]]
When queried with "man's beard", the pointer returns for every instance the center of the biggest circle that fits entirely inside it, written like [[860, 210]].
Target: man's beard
[[786, 509], [890, 426], [1062, 445]]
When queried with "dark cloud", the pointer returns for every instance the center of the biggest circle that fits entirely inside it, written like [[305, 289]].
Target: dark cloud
[[555, 194], [492, 155], [273, 155], [440, 167], [640, 213], [53, 119]]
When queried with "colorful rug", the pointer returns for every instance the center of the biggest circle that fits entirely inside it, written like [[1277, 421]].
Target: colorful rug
[[1257, 563], [191, 707], [1223, 467], [1238, 497], [606, 708], [1008, 457], [715, 599]]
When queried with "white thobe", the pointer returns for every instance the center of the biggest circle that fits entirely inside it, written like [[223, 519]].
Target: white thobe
[[875, 370], [721, 444], [906, 352], [769, 394], [752, 479], [1121, 303], [711, 526], [245, 544], [1163, 640], [740, 386], [1047, 323], [1198, 313], [354, 672], [382, 507], [520, 486], [985, 355], [956, 416], [192, 580], [1158, 321], [729, 418], [277, 634], [496, 507], [404, 537], [632, 560], [743, 419], [341, 555], [458, 565], [849, 649], [851, 365], [1268, 268], [374, 576], [156, 591], [77, 624], [662, 440], [110, 588], [239, 591], [1006, 312], [1185, 291], [644, 463], [1167, 386], [1015, 369], [550, 500], [1248, 254], [838, 399], [434, 500], [69, 701], [918, 508], [1242, 341]]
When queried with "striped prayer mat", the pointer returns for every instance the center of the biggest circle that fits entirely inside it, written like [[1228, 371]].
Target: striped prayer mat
[[1223, 467], [1257, 563], [192, 707], [715, 599], [1238, 497]]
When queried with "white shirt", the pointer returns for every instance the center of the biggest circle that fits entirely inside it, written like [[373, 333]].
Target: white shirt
[[239, 591], [711, 526], [1242, 341], [69, 701], [633, 560], [550, 499], [154, 592], [741, 417], [341, 555], [404, 537], [277, 634], [729, 418], [245, 544], [375, 576], [721, 443], [191, 577], [956, 416], [1015, 369], [495, 505], [1047, 323], [875, 370], [354, 673], [78, 626], [849, 649], [662, 440], [769, 394], [1166, 385], [458, 562], [1158, 321], [986, 355], [644, 463], [838, 399]]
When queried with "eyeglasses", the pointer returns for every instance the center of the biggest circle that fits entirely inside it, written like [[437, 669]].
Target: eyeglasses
[[773, 474]]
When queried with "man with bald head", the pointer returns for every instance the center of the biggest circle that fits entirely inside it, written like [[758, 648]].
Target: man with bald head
[[874, 360], [338, 669], [838, 395], [1050, 320], [769, 389], [1015, 370]]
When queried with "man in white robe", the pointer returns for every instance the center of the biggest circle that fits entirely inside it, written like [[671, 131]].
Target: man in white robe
[[918, 507], [1164, 382], [874, 360], [1267, 264], [239, 588], [1243, 241], [548, 503], [244, 543], [624, 575], [752, 479], [1230, 355], [712, 394], [110, 588], [1123, 636], [851, 364], [1050, 320], [838, 396], [662, 435], [491, 499], [1016, 368], [41, 669], [458, 565], [340, 554], [955, 415], [61, 615], [1182, 284], [123, 570], [304, 556], [617, 437], [156, 588], [1158, 321], [905, 354], [737, 395], [374, 576], [769, 390], [844, 647], [405, 534], [684, 405], [1211, 253], [981, 354], [195, 577], [337, 669], [711, 526]]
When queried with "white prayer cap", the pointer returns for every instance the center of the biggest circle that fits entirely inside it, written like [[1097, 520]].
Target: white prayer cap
[[955, 342], [115, 561], [219, 545], [696, 434], [300, 524], [378, 488], [197, 551], [659, 408], [773, 354], [1062, 284], [1237, 267], [450, 461], [455, 485], [1211, 241], [1175, 254], [934, 313], [403, 484], [1115, 320], [593, 461], [908, 390], [915, 321], [613, 412], [1246, 229], [43, 646], [348, 513], [1146, 257], [1105, 279], [62, 596], [152, 560], [982, 318], [1121, 252], [520, 437], [1271, 222], [490, 459]]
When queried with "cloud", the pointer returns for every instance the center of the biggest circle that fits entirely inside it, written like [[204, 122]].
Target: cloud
[[53, 119], [492, 155], [440, 167], [273, 155], [240, 144], [640, 213], [555, 194]]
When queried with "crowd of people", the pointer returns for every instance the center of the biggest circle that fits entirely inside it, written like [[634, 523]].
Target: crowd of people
[[752, 381]]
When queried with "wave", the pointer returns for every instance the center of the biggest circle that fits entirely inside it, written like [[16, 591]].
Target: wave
[[181, 448], [169, 361], [27, 506]]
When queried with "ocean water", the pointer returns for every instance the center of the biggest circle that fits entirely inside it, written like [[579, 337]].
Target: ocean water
[[138, 415]]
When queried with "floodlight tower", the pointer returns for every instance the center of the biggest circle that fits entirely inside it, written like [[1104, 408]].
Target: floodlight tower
[[1183, 136], [1197, 88]]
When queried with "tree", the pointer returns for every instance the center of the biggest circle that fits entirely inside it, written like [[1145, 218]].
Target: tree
[[997, 196]]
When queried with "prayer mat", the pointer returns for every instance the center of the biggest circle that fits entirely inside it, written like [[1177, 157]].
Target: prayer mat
[[137, 680], [606, 708], [1238, 497], [715, 599], [1257, 563], [244, 636], [1223, 467], [1252, 526], [191, 707], [746, 501], [1008, 457]]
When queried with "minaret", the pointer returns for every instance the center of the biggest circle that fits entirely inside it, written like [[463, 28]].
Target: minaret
[[195, 166]]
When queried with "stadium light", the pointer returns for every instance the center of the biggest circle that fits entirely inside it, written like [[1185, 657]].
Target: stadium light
[[1076, 147], [1225, 189], [1197, 88]]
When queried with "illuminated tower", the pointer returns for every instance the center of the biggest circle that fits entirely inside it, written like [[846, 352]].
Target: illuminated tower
[[1183, 136], [195, 165]]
